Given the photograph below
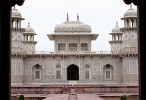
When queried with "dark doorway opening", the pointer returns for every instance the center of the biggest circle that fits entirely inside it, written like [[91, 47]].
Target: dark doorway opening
[[72, 72]]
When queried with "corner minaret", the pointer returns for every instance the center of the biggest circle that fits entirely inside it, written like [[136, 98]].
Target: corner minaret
[[17, 48], [17, 32], [129, 30], [116, 39], [129, 47], [29, 43]]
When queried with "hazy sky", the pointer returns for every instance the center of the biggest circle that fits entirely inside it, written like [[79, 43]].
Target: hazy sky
[[101, 15]]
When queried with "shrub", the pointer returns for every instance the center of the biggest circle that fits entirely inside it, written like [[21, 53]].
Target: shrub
[[123, 97], [21, 97]]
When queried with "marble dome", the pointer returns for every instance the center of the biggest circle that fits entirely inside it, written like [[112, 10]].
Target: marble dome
[[72, 26], [16, 13], [130, 13], [29, 29], [116, 29]]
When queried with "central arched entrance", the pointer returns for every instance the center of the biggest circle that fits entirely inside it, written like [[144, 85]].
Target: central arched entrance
[[72, 72]]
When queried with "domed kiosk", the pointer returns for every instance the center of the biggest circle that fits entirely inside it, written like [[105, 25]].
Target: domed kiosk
[[130, 18], [116, 39], [16, 18], [29, 42], [72, 36]]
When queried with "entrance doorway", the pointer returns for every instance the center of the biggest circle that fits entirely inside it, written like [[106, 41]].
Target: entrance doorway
[[72, 72]]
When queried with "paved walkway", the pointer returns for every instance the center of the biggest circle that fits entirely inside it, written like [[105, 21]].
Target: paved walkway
[[88, 97], [57, 97], [72, 97]]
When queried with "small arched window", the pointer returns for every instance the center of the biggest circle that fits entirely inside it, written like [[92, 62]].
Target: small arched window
[[87, 71], [127, 22], [37, 69], [58, 66], [87, 66], [87, 74], [58, 71], [108, 72], [132, 23], [58, 74]]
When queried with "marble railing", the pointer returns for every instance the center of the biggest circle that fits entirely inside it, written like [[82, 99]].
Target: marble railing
[[77, 52], [82, 52], [79, 89], [72, 52]]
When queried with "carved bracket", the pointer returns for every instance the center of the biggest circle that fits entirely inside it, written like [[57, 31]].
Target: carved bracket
[[135, 2], [18, 2]]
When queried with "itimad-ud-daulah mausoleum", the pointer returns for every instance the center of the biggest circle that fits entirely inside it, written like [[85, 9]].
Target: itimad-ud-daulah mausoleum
[[72, 61]]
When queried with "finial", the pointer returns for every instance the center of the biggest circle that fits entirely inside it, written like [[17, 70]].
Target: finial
[[77, 17], [67, 17], [116, 23], [28, 23], [131, 6]]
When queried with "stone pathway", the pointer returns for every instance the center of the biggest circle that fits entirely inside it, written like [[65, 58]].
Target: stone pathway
[[88, 97], [72, 97], [57, 97]]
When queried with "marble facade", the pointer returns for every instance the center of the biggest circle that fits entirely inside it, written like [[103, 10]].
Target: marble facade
[[72, 58]]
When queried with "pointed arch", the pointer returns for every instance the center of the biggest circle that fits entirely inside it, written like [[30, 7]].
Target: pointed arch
[[72, 72], [37, 71], [87, 66], [58, 66], [108, 72]]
